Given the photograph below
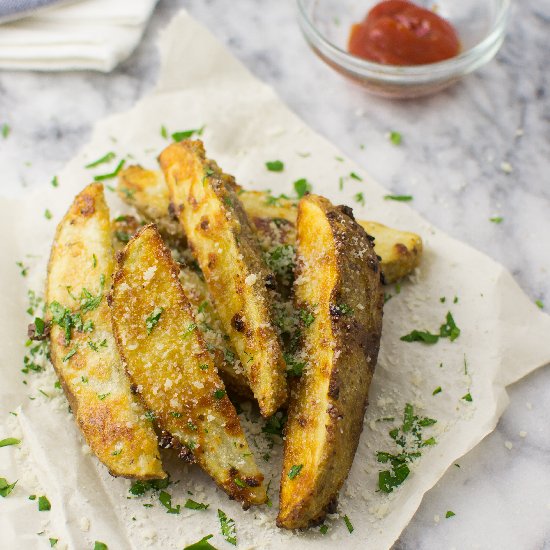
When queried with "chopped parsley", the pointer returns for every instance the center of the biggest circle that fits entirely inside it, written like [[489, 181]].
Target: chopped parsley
[[88, 301], [450, 514], [275, 424], [9, 441], [302, 187], [98, 545], [47, 214], [203, 306], [354, 176], [164, 132], [395, 137], [70, 354], [219, 394], [105, 158], [293, 367], [400, 198], [496, 219], [323, 529], [122, 236], [186, 134], [139, 488], [5, 130], [227, 526], [467, 397], [55, 182], [189, 330], [44, 504], [39, 326], [274, 166], [239, 483], [409, 438], [341, 187], [539, 304], [5, 487], [102, 396], [192, 505], [166, 500], [112, 174], [281, 261], [152, 321], [307, 317], [202, 544], [341, 309], [295, 470], [348, 524], [360, 198], [447, 330], [204, 366], [53, 542], [24, 269], [95, 345], [437, 390]]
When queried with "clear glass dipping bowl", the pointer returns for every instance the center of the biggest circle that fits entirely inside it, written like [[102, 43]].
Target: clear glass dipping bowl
[[480, 24]]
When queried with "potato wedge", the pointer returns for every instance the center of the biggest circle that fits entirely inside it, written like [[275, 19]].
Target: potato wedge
[[173, 373], [272, 219], [338, 289], [194, 286], [83, 350], [228, 254]]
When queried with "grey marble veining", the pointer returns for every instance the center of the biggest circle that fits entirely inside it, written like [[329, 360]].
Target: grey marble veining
[[456, 148]]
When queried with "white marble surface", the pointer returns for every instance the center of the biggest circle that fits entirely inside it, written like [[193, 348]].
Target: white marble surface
[[451, 159]]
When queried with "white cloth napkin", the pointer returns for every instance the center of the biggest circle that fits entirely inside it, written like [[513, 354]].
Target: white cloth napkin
[[89, 34]]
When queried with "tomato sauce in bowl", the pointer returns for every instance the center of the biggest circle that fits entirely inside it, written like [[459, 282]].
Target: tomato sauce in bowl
[[398, 32]]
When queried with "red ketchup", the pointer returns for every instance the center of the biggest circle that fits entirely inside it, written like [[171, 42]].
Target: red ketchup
[[397, 32]]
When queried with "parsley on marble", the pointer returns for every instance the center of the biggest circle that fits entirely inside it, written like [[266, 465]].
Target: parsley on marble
[[450, 514], [186, 134], [55, 182], [98, 545], [323, 529], [152, 320], [275, 165], [395, 137], [437, 390], [354, 176], [102, 160], [5, 130], [467, 397], [496, 219], [400, 198], [47, 214], [228, 529], [23, 268], [53, 542], [539, 304]]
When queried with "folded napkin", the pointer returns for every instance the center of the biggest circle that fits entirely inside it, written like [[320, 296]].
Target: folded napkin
[[88, 34]]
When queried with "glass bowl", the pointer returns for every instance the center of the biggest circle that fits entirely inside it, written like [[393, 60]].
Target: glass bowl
[[480, 24]]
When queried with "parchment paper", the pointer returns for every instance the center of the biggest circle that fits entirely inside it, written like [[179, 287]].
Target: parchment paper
[[503, 335]]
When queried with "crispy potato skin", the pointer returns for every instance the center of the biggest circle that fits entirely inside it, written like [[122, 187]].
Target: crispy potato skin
[[401, 251], [94, 380], [173, 373], [338, 279], [229, 255]]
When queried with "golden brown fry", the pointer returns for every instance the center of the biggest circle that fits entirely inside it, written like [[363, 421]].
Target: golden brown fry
[[338, 288], [273, 220], [194, 286], [228, 254], [174, 374], [83, 350]]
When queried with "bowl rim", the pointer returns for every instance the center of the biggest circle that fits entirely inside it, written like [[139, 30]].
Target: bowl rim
[[361, 66]]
